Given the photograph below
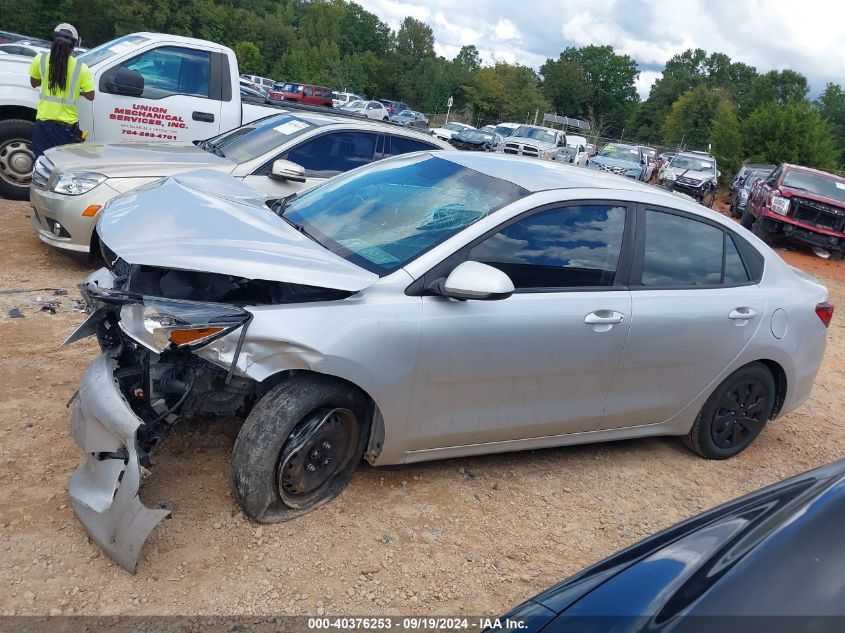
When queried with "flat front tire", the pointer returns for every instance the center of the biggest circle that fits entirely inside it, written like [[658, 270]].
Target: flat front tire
[[299, 447], [734, 414]]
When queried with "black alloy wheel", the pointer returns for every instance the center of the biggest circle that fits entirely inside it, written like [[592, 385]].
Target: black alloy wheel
[[740, 414]]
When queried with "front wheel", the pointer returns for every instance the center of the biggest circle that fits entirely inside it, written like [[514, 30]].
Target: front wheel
[[16, 158], [298, 448], [747, 220], [734, 414]]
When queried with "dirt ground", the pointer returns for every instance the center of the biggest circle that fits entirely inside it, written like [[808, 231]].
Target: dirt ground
[[468, 536]]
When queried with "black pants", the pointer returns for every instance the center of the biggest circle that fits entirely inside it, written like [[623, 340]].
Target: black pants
[[49, 134]]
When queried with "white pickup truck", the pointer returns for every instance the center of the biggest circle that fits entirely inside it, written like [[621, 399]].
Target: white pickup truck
[[150, 87]]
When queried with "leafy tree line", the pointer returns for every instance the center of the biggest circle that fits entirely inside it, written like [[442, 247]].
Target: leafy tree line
[[700, 100]]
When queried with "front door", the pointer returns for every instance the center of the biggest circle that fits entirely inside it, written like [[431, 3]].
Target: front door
[[540, 362], [178, 102], [696, 309]]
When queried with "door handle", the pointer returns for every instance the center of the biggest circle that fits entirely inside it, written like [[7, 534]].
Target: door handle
[[742, 314], [207, 117], [604, 317]]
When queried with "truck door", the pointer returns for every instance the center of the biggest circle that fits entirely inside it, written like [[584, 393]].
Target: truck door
[[184, 90]]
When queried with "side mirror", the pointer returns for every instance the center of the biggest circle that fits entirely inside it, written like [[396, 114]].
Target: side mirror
[[126, 82], [718, 173], [474, 280], [286, 170]]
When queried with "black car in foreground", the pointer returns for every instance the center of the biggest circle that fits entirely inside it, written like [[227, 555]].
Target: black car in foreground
[[771, 561]]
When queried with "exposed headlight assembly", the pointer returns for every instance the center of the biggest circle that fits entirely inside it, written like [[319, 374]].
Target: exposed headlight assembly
[[162, 324], [547, 154], [667, 175], [743, 194]]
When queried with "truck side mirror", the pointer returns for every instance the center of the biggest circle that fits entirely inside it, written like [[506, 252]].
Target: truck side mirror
[[126, 82], [287, 170]]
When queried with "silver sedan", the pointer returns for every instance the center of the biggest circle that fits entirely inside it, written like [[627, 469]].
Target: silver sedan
[[429, 306]]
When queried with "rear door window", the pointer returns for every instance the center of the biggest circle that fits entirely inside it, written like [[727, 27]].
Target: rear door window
[[403, 145], [681, 252]]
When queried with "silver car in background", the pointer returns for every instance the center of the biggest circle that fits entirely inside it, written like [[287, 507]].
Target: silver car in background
[[280, 155], [429, 306]]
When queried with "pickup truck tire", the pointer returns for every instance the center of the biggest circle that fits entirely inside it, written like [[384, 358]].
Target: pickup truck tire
[[747, 220], [16, 158], [299, 447]]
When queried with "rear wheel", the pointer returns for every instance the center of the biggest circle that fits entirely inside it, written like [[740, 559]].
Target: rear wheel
[[734, 414], [16, 158], [298, 448]]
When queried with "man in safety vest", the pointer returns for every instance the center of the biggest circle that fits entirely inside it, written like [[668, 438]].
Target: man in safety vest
[[62, 78]]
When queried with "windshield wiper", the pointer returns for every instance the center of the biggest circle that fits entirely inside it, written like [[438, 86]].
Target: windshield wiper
[[278, 207], [300, 228], [208, 146]]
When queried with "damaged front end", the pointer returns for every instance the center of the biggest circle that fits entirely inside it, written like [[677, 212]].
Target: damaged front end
[[148, 378]]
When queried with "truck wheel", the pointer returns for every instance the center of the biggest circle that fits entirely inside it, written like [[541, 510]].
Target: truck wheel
[[747, 220], [16, 158], [759, 229], [298, 447], [708, 198], [734, 414]]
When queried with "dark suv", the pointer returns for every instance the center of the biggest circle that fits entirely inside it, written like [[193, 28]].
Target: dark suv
[[742, 183], [800, 203]]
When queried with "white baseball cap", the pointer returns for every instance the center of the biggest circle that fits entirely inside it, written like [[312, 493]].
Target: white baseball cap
[[66, 30]]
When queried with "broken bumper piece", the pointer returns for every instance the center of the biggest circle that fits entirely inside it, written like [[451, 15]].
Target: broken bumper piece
[[104, 488]]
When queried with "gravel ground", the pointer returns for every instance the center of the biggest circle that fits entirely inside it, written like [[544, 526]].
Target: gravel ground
[[467, 536]]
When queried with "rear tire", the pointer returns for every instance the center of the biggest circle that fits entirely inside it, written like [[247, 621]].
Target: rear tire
[[734, 414], [759, 229], [299, 447], [16, 158]]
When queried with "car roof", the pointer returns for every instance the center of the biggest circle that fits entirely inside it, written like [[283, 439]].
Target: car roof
[[810, 170], [540, 175], [695, 155]]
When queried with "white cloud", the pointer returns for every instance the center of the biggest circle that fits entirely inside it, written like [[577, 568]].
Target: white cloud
[[645, 80], [768, 34], [506, 30]]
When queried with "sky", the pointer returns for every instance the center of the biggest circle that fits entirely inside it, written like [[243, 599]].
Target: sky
[[806, 35]]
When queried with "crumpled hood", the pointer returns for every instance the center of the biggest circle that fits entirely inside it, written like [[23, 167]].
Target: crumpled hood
[[136, 160], [691, 173], [210, 222], [615, 162]]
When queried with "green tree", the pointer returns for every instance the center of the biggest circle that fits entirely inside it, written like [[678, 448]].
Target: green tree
[[793, 132], [727, 142], [362, 31], [691, 120], [414, 41], [249, 58], [592, 78], [778, 87], [831, 104], [506, 92]]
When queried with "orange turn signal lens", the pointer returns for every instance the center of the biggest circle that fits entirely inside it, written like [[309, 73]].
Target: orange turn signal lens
[[91, 211], [186, 337]]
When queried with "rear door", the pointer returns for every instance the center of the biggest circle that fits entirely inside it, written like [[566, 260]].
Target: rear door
[[184, 91], [696, 305]]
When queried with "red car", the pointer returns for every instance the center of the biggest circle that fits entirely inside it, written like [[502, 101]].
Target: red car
[[302, 93], [800, 203]]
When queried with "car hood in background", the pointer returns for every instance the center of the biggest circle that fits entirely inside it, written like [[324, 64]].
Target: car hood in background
[[691, 173], [208, 222], [524, 140], [136, 160], [615, 162]]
